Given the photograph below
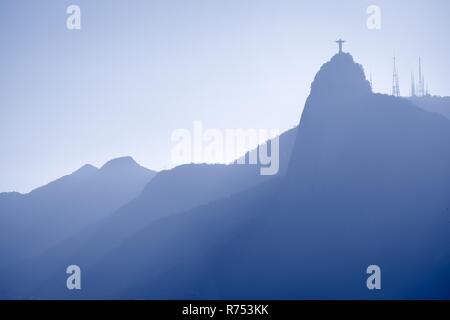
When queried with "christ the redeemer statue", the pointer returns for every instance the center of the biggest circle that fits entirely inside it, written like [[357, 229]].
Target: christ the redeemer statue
[[340, 42]]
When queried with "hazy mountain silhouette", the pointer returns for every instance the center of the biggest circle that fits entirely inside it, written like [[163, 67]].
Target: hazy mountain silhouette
[[36, 221], [368, 183], [169, 192], [433, 104]]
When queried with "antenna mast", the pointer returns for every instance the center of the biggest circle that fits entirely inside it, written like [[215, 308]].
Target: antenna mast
[[395, 82]]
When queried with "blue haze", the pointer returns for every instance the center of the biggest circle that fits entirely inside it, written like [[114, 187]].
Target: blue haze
[[366, 181], [139, 69]]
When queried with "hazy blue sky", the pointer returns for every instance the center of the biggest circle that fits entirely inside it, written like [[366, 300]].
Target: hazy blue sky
[[137, 70]]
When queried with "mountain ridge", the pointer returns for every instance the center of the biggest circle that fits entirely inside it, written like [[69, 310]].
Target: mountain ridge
[[367, 183], [64, 206]]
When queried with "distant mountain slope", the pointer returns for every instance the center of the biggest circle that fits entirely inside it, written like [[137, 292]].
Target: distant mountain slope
[[368, 183], [433, 104], [170, 192], [33, 222]]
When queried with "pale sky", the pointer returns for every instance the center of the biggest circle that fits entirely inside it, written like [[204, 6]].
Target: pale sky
[[138, 70]]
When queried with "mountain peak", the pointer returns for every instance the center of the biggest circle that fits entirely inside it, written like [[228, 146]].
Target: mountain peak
[[87, 169], [120, 163], [341, 76]]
